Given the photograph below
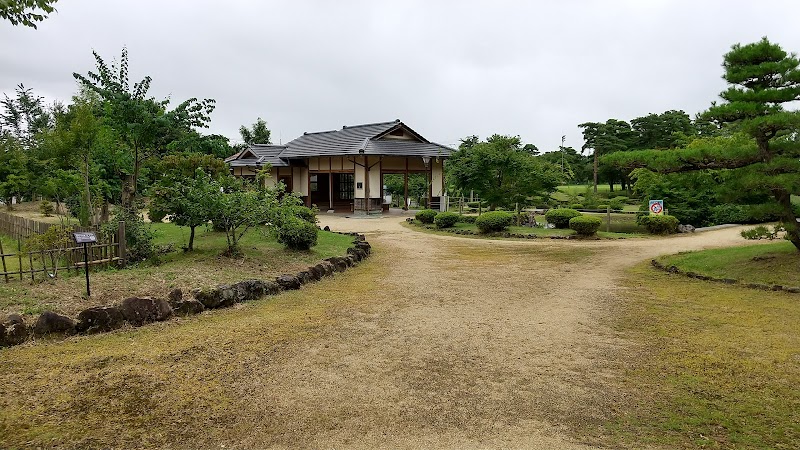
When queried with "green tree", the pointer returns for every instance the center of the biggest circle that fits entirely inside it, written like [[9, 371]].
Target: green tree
[[186, 201], [258, 133], [13, 179], [669, 129], [605, 138], [501, 172], [26, 12], [24, 117], [144, 124], [237, 206], [762, 78]]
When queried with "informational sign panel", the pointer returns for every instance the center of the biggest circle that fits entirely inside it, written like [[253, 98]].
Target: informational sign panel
[[657, 207], [84, 237]]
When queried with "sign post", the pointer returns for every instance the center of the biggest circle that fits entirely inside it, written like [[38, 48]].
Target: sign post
[[656, 207], [85, 238]]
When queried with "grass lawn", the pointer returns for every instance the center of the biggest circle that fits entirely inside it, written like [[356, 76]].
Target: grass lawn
[[718, 366], [262, 258], [773, 263]]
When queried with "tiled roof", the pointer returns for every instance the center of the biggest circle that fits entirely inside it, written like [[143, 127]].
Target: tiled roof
[[364, 139]]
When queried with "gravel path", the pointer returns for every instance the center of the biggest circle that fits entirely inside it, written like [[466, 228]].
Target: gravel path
[[451, 342]]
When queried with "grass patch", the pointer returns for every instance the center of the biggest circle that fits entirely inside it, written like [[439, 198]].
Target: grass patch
[[262, 258], [719, 366], [773, 263]]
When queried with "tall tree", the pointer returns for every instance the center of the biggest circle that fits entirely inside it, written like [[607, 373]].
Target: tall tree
[[501, 172], [26, 12], [605, 138], [763, 78], [659, 131], [24, 116], [258, 133], [145, 125]]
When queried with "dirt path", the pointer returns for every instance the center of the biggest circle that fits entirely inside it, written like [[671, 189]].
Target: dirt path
[[455, 342]]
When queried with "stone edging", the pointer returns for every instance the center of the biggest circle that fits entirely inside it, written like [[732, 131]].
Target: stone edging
[[759, 286], [138, 311]]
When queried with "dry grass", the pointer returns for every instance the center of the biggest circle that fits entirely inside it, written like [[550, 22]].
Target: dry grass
[[718, 367], [31, 211]]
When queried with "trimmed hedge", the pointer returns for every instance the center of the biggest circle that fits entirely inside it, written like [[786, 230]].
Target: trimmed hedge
[[585, 225], [297, 234], [426, 216], [494, 221], [560, 217], [466, 219], [663, 224], [446, 219]]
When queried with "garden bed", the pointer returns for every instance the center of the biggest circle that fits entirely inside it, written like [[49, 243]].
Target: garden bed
[[262, 257], [514, 232]]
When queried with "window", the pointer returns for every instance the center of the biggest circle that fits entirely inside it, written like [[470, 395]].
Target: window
[[314, 185], [345, 187]]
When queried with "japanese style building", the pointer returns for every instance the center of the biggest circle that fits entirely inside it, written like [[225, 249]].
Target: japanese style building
[[342, 170]]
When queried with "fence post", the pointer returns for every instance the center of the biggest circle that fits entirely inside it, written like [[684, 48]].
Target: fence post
[[608, 218], [121, 243], [3, 257]]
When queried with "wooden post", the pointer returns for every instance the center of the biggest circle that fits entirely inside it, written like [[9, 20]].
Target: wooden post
[[3, 257], [608, 218], [19, 257], [405, 187], [122, 244]]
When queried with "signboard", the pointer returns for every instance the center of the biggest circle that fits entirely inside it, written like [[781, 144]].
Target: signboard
[[657, 207], [84, 237]]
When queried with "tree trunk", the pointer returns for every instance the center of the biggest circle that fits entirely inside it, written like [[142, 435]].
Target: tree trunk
[[191, 238], [788, 217], [595, 171]]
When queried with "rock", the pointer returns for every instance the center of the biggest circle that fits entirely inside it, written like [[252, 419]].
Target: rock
[[339, 263], [16, 333], [288, 282], [685, 229], [52, 323], [210, 297], [326, 268], [2, 335], [15, 318], [175, 295], [99, 319], [793, 290], [315, 273], [304, 277], [728, 281], [141, 310], [364, 245], [250, 290], [272, 288], [777, 287], [351, 260], [327, 228], [187, 307], [228, 295], [673, 269], [691, 274]]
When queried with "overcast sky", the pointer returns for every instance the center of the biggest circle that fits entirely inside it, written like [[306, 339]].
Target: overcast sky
[[448, 69]]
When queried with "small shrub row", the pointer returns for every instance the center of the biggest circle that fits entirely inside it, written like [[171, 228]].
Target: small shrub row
[[446, 219], [585, 225], [662, 224], [426, 216]]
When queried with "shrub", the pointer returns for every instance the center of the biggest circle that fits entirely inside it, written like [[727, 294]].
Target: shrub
[[297, 234], [466, 219], [560, 217], [761, 232], [445, 219], [426, 216], [304, 213], [576, 206], [602, 207], [585, 225], [659, 224], [493, 221], [616, 205], [46, 208]]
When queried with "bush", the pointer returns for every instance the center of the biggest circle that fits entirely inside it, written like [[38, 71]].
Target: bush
[[297, 234], [476, 204], [616, 205], [304, 213], [493, 221], [585, 225], [761, 232], [466, 219], [46, 208], [426, 216], [577, 206], [659, 224], [139, 235], [156, 214], [602, 207], [560, 217], [445, 219]]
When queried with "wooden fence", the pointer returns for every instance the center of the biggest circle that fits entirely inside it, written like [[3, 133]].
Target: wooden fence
[[20, 263]]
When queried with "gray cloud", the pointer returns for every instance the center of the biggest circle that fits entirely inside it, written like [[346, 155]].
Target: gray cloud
[[447, 68]]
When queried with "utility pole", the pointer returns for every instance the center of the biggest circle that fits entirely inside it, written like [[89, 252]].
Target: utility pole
[[562, 153]]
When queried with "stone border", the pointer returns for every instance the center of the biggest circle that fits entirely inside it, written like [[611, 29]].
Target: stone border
[[759, 286], [139, 311]]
